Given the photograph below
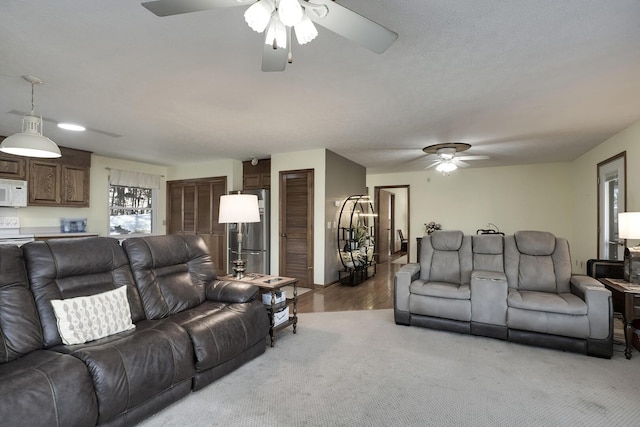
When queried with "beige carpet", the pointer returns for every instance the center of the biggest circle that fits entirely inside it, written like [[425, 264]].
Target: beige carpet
[[360, 369]]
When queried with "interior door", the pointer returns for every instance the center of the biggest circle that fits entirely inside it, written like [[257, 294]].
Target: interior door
[[384, 225], [296, 226], [611, 201]]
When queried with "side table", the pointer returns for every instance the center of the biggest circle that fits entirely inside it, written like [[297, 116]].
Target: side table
[[626, 300], [274, 284]]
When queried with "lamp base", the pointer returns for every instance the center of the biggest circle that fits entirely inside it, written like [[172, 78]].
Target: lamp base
[[239, 267]]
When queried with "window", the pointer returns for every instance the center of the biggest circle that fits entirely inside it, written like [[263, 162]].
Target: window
[[132, 202], [130, 210]]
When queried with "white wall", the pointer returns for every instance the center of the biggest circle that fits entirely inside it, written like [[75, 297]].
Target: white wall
[[232, 169], [527, 197], [584, 191]]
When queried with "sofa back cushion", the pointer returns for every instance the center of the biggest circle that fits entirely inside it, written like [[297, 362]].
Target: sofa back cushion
[[445, 256], [171, 272], [488, 252], [537, 261], [67, 268], [20, 331]]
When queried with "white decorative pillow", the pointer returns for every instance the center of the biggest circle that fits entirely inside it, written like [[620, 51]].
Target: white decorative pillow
[[85, 319]]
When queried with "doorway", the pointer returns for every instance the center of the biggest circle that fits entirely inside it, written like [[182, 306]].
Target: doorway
[[392, 206], [612, 199], [296, 225]]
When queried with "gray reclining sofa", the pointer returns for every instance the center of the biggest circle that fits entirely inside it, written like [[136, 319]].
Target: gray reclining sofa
[[517, 288]]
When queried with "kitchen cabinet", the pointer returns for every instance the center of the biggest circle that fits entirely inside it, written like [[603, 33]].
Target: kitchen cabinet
[[12, 167], [256, 177], [60, 182]]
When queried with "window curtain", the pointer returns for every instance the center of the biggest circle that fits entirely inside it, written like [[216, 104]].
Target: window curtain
[[133, 179]]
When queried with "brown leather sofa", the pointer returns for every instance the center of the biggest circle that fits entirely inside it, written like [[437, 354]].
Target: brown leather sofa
[[190, 329]]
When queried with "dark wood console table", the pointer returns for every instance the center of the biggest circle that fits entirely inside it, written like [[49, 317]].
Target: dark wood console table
[[626, 300]]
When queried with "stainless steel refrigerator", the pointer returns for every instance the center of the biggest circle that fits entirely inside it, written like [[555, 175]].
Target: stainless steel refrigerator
[[255, 244]]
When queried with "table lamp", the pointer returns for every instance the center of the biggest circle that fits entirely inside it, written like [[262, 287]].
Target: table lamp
[[239, 208], [629, 228]]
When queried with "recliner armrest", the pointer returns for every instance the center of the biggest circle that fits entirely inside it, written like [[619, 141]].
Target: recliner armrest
[[403, 278], [231, 292], [598, 300]]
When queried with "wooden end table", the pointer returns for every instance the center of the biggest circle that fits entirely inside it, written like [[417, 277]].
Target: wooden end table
[[273, 284], [626, 300]]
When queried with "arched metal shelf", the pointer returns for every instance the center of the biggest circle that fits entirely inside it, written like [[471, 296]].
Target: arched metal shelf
[[356, 240]]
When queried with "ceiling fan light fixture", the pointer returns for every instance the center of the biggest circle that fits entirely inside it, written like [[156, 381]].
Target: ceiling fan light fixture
[[446, 166], [276, 34], [290, 12], [305, 30], [259, 14]]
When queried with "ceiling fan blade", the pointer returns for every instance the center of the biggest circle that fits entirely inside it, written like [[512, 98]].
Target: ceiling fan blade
[[460, 164], [351, 25], [275, 59], [433, 164], [176, 7], [472, 157]]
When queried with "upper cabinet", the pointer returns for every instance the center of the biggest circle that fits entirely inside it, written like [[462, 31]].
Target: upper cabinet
[[256, 177], [60, 182], [52, 182], [12, 167]]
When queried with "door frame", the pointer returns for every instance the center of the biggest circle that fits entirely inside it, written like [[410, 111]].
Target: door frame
[[310, 222], [602, 164], [376, 197]]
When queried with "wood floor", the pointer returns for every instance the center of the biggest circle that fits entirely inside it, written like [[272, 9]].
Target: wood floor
[[372, 294]]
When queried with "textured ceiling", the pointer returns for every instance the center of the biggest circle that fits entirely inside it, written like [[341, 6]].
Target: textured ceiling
[[522, 81]]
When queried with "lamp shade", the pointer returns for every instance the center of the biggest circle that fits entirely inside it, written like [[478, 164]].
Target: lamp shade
[[239, 208], [30, 142], [629, 225], [305, 30], [259, 14]]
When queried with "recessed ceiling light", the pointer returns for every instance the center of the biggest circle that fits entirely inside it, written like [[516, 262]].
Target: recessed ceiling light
[[71, 126]]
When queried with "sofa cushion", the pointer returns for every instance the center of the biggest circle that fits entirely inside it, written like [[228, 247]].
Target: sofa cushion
[[131, 368], [83, 319], [68, 268], [440, 289], [171, 272], [446, 240], [45, 388], [488, 252], [20, 330], [535, 243], [565, 303]]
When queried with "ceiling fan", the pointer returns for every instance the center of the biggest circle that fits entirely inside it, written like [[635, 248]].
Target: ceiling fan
[[278, 17], [447, 160]]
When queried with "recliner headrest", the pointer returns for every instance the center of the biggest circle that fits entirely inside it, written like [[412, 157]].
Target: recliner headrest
[[491, 244], [537, 243], [449, 240]]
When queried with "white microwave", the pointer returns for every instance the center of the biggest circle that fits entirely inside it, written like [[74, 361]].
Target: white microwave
[[13, 193]]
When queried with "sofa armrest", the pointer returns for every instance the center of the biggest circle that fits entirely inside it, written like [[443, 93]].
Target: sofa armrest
[[489, 292], [231, 292], [598, 299], [403, 278]]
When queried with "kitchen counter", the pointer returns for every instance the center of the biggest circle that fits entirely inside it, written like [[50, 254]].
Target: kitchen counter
[[43, 233]]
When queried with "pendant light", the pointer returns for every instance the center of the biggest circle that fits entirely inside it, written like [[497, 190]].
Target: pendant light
[[30, 142]]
